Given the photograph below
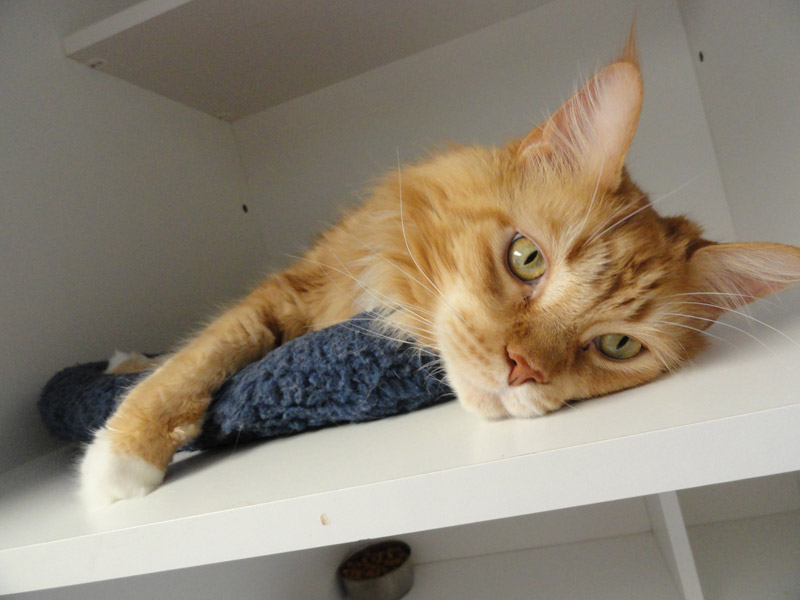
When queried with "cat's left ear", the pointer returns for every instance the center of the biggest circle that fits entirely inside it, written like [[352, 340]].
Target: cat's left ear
[[726, 276], [592, 131]]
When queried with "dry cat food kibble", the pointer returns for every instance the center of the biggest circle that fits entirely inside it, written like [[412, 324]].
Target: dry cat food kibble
[[375, 561]]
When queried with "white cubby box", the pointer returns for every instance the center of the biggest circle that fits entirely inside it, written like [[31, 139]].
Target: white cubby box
[[157, 158]]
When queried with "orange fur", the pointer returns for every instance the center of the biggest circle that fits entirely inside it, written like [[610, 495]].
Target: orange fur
[[428, 248]]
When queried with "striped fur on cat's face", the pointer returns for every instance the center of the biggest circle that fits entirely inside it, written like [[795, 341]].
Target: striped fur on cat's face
[[600, 313]]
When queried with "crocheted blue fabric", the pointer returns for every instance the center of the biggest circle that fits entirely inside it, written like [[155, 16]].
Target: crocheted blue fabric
[[341, 374]]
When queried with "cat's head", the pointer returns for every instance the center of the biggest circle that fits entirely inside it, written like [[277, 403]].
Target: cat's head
[[558, 280]]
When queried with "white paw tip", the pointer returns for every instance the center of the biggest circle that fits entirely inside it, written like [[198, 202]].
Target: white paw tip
[[128, 362], [106, 477]]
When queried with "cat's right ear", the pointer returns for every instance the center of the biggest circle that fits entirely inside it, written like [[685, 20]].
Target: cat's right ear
[[592, 131]]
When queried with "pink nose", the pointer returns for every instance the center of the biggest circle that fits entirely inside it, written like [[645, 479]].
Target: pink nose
[[521, 370]]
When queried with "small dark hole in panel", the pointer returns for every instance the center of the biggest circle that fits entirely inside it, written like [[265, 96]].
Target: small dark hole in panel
[[244, 208], [701, 57]]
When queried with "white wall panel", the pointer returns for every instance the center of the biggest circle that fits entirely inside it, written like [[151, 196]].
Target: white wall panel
[[310, 155], [750, 82], [120, 218]]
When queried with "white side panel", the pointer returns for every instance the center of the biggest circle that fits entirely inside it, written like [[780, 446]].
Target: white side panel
[[120, 219], [669, 530], [307, 157], [750, 81]]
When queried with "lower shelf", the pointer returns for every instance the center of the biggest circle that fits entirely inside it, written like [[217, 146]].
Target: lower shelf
[[757, 557], [749, 558], [625, 568]]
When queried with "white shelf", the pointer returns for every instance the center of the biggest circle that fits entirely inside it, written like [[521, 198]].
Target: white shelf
[[233, 58], [733, 415]]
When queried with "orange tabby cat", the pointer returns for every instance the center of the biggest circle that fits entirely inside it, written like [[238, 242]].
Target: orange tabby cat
[[538, 271]]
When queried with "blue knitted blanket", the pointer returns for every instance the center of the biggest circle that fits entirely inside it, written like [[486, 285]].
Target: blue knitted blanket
[[341, 374]]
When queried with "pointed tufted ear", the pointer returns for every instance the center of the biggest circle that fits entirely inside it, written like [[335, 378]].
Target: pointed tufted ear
[[727, 276], [592, 131]]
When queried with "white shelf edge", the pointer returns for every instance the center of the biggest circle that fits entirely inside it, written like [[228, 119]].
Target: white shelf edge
[[117, 23], [755, 444]]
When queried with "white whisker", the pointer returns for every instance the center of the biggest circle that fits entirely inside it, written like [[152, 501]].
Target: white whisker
[[408, 247], [594, 197], [414, 332], [372, 292], [432, 373], [668, 357], [711, 335], [392, 263], [373, 333], [386, 302], [734, 294], [722, 323], [641, 208], [746, 316]]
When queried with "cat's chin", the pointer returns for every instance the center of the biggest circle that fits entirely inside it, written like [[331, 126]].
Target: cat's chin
[[525, 402], [517, 402], [482, 403]]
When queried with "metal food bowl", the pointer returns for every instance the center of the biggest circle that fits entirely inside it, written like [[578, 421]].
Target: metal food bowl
[[381, 571]]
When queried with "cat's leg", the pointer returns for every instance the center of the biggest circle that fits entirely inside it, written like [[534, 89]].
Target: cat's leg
[[129, 455]]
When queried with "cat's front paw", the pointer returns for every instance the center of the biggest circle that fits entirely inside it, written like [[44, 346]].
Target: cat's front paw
[[107, 476]]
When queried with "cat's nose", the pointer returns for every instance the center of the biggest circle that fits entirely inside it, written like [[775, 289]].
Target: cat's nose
[[521, 371]]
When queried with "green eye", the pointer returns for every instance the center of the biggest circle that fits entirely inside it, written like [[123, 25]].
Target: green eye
[[525, 259], [618, 346]]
